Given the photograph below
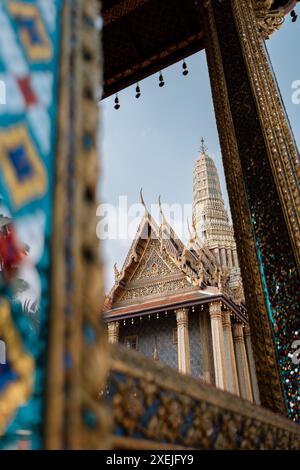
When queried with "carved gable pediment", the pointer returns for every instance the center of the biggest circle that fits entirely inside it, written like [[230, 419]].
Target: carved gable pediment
[[156, 274], [154, 263]]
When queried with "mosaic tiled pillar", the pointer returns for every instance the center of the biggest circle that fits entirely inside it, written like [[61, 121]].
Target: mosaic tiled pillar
[[183, 343], [255, 391], [231, 370], [29, 70], [242, 362], [49, 307], [113, 332], [261, 165], [218, 344]]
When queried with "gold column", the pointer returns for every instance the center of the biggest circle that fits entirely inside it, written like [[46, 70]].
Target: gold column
[[184, 361], [242, 362], [223, 257], [218, 344], [255, 391], [205, 345], [229, 257], [113, 332], [217, 254], [231, 370], [235, 259]]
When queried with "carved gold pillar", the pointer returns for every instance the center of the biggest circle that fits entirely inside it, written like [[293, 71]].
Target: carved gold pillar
[[215, 313], [113, 332], [217, 254], [229, 257], [184, 361], [242, 362], [205, 346], [255, 391], [231, 370], [223, 257], [261, 164]]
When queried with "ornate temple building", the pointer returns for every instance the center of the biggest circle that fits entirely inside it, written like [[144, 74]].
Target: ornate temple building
[[184, 305], [179, 304]]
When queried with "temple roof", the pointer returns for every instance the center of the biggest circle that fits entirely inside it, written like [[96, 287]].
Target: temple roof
[[141, 37], [159, 268]]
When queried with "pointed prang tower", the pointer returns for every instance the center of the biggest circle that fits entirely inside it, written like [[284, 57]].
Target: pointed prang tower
[[210, 216]]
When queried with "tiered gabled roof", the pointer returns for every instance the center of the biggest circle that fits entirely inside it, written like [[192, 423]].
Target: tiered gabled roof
[[159, 266]]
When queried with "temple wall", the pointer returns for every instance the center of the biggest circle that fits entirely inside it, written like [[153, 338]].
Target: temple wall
[[162, 329], [147, 330]]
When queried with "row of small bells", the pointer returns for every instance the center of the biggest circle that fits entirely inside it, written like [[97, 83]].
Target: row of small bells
[[161, 83], [157, 315], [294, 16], [185, 72]]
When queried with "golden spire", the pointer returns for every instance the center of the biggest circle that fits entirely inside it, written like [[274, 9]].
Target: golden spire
[[203, 148], [160, 209], [116, 271], [142, 200]]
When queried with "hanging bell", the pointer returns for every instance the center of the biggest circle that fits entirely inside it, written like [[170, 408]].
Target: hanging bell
[[161, 80], [117, 106], [294, 16], [137, 91], [184, 68]]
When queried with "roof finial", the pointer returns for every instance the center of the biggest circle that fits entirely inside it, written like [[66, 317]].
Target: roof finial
[[160, 207], [163, 217], [203, 148], [189, 229], [155, 351], [116, 271], [142, 200], [194, 226]]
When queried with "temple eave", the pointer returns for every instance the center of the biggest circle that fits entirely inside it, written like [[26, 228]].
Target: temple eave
[[170, 303]]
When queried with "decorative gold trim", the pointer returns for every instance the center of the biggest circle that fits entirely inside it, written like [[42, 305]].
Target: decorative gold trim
[[282, 150], [18, 392], [36, 184]]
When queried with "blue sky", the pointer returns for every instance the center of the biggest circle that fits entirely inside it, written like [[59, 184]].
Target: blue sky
[[153, 142]]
